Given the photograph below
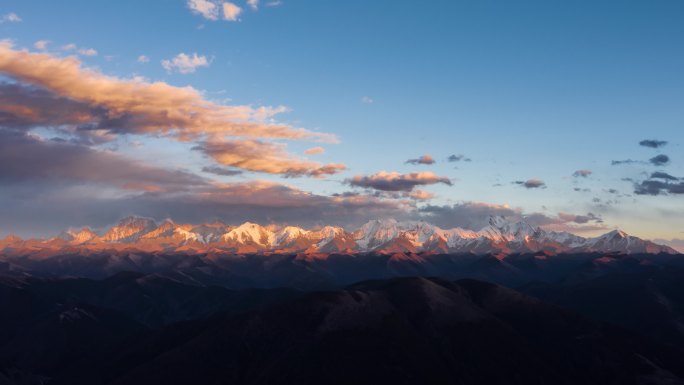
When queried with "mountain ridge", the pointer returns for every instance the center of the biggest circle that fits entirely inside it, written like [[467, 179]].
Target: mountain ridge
[[387, 236]]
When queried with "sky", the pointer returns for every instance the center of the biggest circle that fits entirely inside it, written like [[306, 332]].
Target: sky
[[569, 114]]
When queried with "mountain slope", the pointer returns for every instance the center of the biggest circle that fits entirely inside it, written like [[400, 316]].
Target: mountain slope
[[409, 331]]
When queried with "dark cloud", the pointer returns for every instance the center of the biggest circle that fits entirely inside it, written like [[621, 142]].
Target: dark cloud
[[424, 159], [658, 187], [677, 244], [393, 181], [221, 171], [475, 216], [25, 107], [652, 143], [582, 173], [663, 175], [531, 183], [458, 158], [660, 160], [28, 157], [53, 208], [466, 215]]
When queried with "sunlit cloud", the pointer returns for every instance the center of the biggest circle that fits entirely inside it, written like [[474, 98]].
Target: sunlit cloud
[[207, 9], [253, 4], [315, 151], [184, 63], [231, 12], [421, 195], [143, 59], [215, 9], [531, 183], [140, 107], [424, 159], [266, 157]]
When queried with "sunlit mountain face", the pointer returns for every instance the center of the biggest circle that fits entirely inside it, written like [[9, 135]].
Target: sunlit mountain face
[[389, 236], [341, 192]]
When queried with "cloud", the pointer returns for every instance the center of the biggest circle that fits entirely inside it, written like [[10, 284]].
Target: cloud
[[231, 12], [41, 44], [207, 9], [267, 157], [663, 175], [677, 244], [254, 4], [68, 47], [458, 158], [25, 157], [258, 201], [475, 215], [136, 106], [143, 59], [626, 161], [660, 160], [315, 151], [366, 100], [424, 159], [10, 18], [221, 171], [658, 187], [421, 195], [184, 64], [582, 173], [531, 183], [87, 52], [394, 181], [580, 219], [652, 143]]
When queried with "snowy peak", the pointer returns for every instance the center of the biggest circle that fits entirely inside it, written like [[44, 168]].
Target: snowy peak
[[250, 234], [377, 233], [129, 229], [387, 236], [289, 234], [501, 230], [81, 236]]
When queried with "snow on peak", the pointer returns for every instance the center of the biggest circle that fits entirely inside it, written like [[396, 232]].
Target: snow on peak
[[288, 234], [249, 232]]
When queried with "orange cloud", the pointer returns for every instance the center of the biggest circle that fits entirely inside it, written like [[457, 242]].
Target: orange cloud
[[142, 107], [315, 151], [421, 195], [268, 157]]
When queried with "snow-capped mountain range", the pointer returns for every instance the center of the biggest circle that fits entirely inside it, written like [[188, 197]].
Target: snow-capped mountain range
[[388, 236]]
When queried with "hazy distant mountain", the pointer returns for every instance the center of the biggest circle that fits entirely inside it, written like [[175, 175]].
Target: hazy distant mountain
[[379, 236]]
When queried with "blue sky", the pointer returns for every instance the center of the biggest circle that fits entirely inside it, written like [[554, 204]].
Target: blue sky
[[526, 89]]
